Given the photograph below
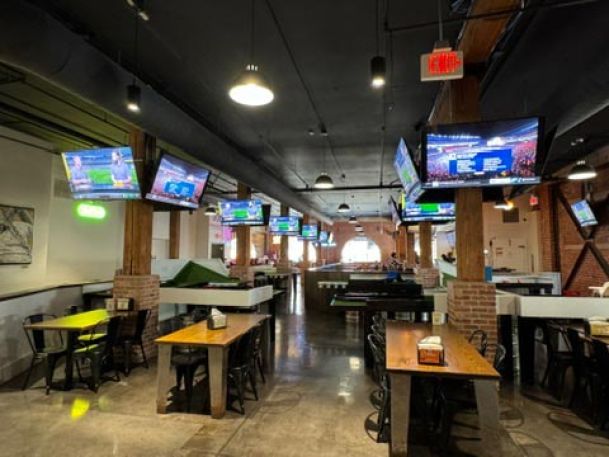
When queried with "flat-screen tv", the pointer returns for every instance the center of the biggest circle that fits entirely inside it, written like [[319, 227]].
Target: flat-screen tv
[[284, 225], [241, 212], [498, 153], [428, 212], [178, 182], [102, 174], [395, 213], [583, 213], [407, 172], [310, 232]]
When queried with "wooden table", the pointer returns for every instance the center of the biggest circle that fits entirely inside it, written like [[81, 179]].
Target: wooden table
[[217, 343], [73, 324], [462, 361]]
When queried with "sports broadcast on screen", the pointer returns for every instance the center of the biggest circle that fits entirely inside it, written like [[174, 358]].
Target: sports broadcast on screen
[[178, 182], [102, 174], [284, 225], [407, 172], [499, 153], [428, 212], [242, 212]]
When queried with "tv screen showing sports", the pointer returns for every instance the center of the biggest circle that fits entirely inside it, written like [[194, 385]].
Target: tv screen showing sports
[[102, 174], [428, 212], [242, 212], [404, 167], [309, 232], [284, 225], [395, 213], [178, 182], [499, 153], [584, 214]]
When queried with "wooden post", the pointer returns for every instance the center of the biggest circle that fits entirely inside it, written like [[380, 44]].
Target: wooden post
[[283, 249], [470, 240], [411, 258], [174, 234], [305, 249], [137, 248], [319, 250], [400, 243], [426, 260], [243, 232]]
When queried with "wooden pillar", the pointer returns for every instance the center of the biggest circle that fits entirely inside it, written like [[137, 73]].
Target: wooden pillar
[[243, 232], [411, 258], [284, 246], [470, 239], [174, 234], [137, 247], [305, 250], [400, 243], [426, 260]]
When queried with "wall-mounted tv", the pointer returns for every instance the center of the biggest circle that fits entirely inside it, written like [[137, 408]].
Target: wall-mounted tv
[[498, 153], [284, 225], [310, 232], [428, 212], [242, 212], [396, 218], [407, 172], [178, 182], [583, 214], [102, 174]]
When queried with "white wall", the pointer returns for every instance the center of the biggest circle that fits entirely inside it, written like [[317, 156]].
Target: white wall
[[194, 235], [160, 235]]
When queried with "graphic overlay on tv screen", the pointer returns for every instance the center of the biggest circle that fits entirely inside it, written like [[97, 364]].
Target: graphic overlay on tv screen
[[428, 212], [584, 213], [309, 232], [242, 212], [102, 174], [178, 182], [407, 172], [500, 153], [284, 225], [395, 214]]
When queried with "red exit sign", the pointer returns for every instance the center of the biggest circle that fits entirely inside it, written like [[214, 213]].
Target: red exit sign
[[442, 65]]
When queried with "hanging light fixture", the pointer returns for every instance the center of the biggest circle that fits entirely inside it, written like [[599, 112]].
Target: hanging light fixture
[[323, 181], [581, 171], [505, 205], [210, 210], [353, 220], [359, 228], [378, 67], [134, 93], [344, 208], [250, 88]]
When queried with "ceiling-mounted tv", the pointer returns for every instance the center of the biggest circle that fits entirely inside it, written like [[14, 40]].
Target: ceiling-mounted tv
[[310, 232], [583, 213], [497, 153], [242, 212], [178, 182], [284, 225], [102, 174], [428, 212], [407, 172], [395, 212]]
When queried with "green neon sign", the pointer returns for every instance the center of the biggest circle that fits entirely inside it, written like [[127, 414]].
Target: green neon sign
[[91, 211]]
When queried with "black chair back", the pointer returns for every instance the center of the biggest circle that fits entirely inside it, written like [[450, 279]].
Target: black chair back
[[140, 324], [35, 338], [553, 336], [377, 347], [601, 355], [500, 353], [242, 351], [112, 332], [479, 339], [578, 350]]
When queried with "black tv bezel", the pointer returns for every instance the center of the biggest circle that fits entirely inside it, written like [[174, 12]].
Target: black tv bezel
[[285, 233], [539, 155], [395, 211], [158, 205], [414, 164], [266, 214], [140, 179]]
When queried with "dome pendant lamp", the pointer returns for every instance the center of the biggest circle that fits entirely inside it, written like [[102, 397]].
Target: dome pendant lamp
[[250, 88]]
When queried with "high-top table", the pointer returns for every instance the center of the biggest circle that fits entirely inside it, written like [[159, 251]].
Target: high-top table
[[462, 361], [217, 343], [73, 325]]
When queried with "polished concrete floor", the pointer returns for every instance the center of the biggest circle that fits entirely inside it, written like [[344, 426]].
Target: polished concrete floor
[[315, 405]]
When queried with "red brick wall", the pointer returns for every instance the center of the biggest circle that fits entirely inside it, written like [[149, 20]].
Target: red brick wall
[[378, 230]]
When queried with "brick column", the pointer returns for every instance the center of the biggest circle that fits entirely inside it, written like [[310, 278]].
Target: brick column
[[144, 290], [427, 277]]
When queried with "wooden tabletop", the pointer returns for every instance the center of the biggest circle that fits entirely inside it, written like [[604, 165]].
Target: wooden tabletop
[[74, 322], [462, 360], [199, 335]]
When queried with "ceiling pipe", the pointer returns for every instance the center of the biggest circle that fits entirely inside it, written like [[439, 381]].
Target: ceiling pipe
[[32, 40]]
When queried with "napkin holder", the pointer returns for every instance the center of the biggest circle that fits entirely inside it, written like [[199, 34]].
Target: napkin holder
[[217, 320], [430, 351]]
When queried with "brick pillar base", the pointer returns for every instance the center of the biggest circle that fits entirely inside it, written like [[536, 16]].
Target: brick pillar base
[[145, 293], [471, 306], [427, 277]]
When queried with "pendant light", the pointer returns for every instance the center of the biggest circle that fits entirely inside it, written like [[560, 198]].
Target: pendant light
[[505, 205], [344, 208], [353, 220], [250, 88], [210, 210], [581, 171], [134, 93], [323, 181], [378, 67]]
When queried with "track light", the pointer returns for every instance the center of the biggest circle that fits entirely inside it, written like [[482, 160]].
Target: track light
[[505, 205], [323, 131], [377, 72], [353, 220], [210, 210], [344, 208], [581, 171], [323, 181], [134, 96]]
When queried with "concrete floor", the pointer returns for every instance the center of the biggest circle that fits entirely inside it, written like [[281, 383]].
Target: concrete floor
[[315, 405]]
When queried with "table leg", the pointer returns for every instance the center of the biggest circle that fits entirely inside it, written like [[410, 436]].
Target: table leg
[[268, 345], [163, 377], [487, 399], [218, 364], [400, 414], [69, 372]]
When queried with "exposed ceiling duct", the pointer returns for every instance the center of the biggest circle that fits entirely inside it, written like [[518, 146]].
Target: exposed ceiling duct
[[35, 42]]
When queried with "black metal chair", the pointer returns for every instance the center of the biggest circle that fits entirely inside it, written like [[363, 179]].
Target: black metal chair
[[50, 353], [240, 368], [582, 366], [257, 356], [382, 425], [127, 342], [99, 353], [479, 339], [601, 383], [186, 361], [559, 360]]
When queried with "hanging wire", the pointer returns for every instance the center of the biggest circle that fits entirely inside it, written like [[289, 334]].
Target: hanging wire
[[376, 29], [135, 46], [440, 24], [252, 31]]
